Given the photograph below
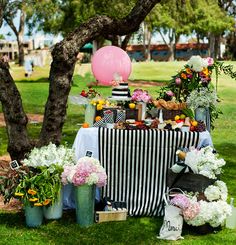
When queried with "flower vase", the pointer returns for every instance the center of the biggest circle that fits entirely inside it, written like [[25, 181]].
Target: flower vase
[[84, 203], [33, 216], [89, 114], [144, 107], [200, 114], [54, 211]]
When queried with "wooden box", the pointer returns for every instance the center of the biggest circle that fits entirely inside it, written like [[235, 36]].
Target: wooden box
[[131, 114], [106, 216]]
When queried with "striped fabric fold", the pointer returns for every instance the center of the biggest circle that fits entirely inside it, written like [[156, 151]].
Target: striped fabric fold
[[136, 162]]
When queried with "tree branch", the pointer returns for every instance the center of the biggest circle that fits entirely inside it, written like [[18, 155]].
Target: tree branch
[[64, 58]]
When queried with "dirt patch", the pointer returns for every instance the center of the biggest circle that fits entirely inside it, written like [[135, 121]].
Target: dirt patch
[[146, 84], [33, 118]]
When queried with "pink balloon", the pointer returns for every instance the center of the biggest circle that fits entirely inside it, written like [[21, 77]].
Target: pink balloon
[[108, 61]]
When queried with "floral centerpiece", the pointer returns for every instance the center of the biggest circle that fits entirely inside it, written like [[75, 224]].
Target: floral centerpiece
[[87, 171], [50, 155], [38, 187], [140, 95], [206, 207], [202, 97], [38, 180], [84, 176], [198, 213], [205, 162], [196, 74]]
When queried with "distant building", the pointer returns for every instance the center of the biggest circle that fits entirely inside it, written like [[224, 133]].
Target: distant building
[[10, 48], [160, 52]]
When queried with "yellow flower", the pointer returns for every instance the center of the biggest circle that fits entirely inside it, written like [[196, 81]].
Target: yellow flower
[[46, 202], [205, 71], [33, 199], [102, 102], [188, 70], [32, 192], [183, 75], [99, 107], [38, 204], [18, 194]]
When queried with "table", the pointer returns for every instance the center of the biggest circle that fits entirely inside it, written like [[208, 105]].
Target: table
[[136, 162]]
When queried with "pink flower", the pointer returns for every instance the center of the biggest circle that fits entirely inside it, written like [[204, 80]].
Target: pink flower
[[170, 93], [87, 171], [141, 95], [177, 81], [192, 211], [181, 201], [210, 61]]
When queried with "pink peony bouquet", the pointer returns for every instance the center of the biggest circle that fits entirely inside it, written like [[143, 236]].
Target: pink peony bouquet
[[141, 95], [87, 171], [190, 207], [180, 200], [191, 211]]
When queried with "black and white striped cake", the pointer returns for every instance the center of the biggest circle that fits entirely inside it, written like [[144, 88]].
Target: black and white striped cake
[[121, 91]]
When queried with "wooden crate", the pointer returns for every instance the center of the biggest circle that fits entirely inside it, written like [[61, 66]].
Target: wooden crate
[[106, 216]]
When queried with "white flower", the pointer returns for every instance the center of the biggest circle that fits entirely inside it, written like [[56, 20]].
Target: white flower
[[50, 154], [204, 162], [214, 213], [212, 193], [217, 191], [196, 63], [201, 97]]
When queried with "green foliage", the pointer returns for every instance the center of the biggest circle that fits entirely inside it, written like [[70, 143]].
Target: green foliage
[[44, 182], [33, 186], [208, 17], [136, 230], [70, 14], [9, 181]]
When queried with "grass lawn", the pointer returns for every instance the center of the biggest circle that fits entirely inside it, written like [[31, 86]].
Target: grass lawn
[[138, 230]]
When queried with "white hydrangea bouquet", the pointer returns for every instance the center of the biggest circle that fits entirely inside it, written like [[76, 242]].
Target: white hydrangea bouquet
[[205, 162], [213, 210], [202, 97], [49, 155]]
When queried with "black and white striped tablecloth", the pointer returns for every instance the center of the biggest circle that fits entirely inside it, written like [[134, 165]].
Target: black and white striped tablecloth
[[136, 162]]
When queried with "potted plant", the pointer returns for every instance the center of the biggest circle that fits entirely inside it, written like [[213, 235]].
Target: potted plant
[[85, 175], [50, 160]]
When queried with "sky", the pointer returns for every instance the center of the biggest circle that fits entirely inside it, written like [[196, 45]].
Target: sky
[[5, 29]]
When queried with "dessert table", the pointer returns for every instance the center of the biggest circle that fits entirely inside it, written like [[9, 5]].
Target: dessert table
[[136, 162]]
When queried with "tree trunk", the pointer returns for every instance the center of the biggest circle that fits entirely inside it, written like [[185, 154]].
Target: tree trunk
[[126, 41], [20, 38], [3, 4], [217, 47], [15, 117], [19, 34], [212, 45], [21, 52], [177, 37], [64, 57], [171, 45]]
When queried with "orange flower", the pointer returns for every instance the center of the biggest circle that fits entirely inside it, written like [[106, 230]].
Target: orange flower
[[183, 75], [32, 192], [33, 199], [46, 202], [188, 70], [205, 71], [38, 204]]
